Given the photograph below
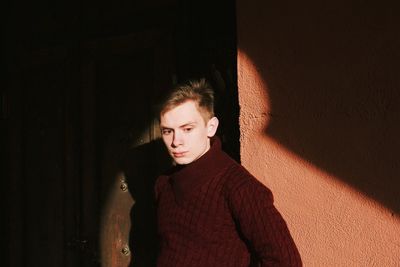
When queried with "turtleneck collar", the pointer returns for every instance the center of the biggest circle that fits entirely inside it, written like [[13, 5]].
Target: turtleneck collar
[[185, 179]]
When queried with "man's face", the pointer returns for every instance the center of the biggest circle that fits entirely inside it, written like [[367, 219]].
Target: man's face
[[185, 133]]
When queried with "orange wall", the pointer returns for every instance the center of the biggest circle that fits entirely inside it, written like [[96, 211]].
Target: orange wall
[[320, 125]]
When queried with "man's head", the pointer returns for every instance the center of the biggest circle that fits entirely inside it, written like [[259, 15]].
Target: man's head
[[187, 121], [200, 92]]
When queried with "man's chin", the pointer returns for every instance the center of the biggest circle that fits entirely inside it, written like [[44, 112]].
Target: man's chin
[[182, 161]]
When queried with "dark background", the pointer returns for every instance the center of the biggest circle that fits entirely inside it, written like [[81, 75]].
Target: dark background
[[77, 74]]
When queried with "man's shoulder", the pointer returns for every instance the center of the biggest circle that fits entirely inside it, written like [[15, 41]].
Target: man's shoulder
[[237, 177], [231, 168], [241, 188]]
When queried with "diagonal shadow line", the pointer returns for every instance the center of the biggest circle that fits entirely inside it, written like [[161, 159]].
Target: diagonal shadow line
[[355, 142], [332, 76]]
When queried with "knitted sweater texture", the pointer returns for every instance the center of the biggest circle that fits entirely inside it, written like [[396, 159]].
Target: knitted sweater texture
[[213, 212]]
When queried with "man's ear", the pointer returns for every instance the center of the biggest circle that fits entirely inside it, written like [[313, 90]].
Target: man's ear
[[212, 126]]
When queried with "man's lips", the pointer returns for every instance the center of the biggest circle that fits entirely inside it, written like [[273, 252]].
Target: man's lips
[[179, 154]]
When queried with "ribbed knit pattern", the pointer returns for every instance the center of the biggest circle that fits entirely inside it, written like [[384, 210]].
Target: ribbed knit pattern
[[213, 212]]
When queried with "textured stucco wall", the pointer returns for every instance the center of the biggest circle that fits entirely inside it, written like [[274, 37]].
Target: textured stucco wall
[[320, 125]]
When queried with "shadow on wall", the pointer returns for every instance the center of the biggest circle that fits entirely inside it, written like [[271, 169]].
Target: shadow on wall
[[333, 84]]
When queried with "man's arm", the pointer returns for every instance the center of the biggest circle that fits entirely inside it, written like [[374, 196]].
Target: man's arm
[[261, 225]]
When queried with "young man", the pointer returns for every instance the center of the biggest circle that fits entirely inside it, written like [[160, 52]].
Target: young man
[[211, 211]]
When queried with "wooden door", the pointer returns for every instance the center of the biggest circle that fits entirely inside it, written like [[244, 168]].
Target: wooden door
[[43, 156], [80, 153], [123, 77]]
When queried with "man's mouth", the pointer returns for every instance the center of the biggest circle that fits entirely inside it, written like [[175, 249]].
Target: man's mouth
[[178, 154]]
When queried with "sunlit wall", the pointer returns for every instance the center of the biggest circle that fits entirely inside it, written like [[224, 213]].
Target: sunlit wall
[[319, 121]]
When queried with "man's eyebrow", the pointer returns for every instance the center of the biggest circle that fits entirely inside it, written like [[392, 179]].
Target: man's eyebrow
[[164, 127], [188, 124], [192, 123]]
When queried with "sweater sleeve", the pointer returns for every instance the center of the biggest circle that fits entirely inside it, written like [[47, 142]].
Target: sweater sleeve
[[261, 225]]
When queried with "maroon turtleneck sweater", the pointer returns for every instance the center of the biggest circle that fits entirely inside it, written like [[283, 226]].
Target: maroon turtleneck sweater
[[212, 212]]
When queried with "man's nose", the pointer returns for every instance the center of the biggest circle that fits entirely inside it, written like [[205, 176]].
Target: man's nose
[[177, 139]]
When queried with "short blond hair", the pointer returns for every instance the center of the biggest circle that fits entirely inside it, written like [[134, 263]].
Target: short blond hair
[[198, 91]]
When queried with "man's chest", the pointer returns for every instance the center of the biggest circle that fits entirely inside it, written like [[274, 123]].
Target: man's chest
[[203, 215]]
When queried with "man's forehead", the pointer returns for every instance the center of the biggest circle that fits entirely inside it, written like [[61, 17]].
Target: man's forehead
[[185, 113], [186, 109]]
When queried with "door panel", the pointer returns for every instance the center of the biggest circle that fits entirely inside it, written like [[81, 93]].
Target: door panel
[[43, 162], [77, 113], [124, 75]]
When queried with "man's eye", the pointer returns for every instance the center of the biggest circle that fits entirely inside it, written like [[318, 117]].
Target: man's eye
[[187, 129], [166, 131]]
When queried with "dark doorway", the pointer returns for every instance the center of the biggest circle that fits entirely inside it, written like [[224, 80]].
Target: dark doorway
[[80, 140]]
